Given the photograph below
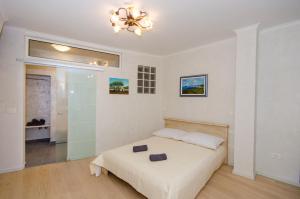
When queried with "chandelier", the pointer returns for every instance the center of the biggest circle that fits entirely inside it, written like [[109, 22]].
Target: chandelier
[[131, 19]]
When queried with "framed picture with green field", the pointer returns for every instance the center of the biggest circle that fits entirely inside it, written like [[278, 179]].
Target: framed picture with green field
[[193, 86], [118, 86]]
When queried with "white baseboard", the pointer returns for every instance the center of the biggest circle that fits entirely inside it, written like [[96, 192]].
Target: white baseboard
[[7, 170], [276, 178], [247, 175]]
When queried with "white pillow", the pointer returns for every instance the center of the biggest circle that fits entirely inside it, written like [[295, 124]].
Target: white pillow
[[176, 134], [203, 139]]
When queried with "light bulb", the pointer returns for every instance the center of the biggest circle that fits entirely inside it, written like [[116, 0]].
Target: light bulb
[[117, 28], [114, 18], [150, 25], [134, 12], [147, 23], [61, 48], [138, 31]]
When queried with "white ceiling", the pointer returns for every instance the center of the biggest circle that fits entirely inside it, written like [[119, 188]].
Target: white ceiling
[[178, 24]]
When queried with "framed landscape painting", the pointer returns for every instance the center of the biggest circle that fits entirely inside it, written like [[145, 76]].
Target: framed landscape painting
[[118, 86], [193, 86]]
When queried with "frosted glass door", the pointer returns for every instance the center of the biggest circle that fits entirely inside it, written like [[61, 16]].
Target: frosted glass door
[[81, 113]]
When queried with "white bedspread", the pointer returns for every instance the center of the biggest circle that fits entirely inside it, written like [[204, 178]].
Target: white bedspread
[[181, 176]]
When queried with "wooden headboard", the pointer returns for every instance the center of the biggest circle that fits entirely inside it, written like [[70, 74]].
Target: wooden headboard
[[220, 130]]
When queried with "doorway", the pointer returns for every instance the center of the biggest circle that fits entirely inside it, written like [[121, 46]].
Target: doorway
[[46, 116], [60, 114]]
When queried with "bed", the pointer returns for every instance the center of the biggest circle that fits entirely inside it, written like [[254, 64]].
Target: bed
[[182, 175]]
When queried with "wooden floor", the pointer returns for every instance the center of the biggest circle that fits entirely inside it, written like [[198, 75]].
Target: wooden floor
[[71, 180]]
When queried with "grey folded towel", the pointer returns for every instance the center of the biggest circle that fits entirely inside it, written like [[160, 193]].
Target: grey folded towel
[[140, 148], [158, 157]]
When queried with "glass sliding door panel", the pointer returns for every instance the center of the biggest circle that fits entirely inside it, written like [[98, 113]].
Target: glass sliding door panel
[[81, 113]]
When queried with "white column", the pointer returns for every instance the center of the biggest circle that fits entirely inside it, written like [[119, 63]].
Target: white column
[[244, 122]]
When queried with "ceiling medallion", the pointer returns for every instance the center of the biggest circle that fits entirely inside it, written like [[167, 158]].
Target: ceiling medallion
[[131, 19]]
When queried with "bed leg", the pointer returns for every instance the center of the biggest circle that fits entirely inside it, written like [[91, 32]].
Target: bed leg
[[98, 171], [104, 171]]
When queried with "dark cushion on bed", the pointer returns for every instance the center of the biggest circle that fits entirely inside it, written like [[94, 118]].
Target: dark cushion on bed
[[140, 148], [158, 157]]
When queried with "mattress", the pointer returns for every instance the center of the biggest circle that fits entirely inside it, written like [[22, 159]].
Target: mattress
[[181, 176]]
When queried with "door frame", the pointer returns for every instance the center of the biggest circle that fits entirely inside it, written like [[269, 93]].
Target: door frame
[[55, 63]]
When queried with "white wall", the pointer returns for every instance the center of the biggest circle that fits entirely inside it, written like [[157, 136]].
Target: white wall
[[11, 100], [120, 119], [278, 96], [218, 61], [278, 104], [126, 118]]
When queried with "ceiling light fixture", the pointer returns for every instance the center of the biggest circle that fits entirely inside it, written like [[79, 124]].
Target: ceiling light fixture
[[60, 48], [131, 19]]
